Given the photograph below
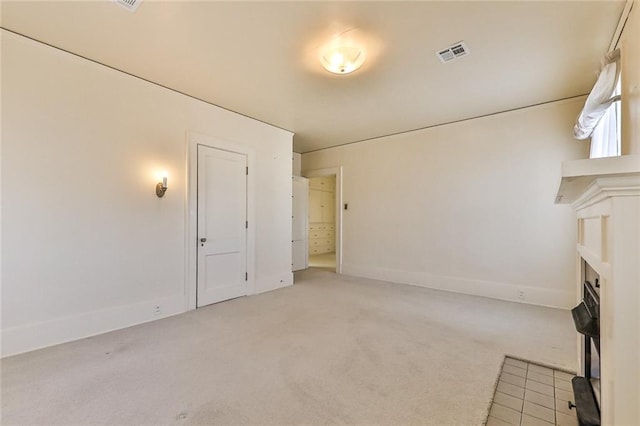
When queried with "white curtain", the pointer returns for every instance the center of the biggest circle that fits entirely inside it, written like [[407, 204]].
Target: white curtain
[[602, 96], [604, 139]]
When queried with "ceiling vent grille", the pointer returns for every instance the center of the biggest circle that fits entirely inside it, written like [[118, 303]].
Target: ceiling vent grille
[[131, 5], [453, 52]]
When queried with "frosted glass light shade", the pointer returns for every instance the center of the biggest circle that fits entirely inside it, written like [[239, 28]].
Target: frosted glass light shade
[[342, 59]]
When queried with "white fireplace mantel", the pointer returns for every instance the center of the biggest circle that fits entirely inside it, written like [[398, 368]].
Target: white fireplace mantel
[[606, 196], [578, 175]]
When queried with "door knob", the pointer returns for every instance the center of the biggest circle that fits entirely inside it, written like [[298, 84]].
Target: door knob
[[203, 240]]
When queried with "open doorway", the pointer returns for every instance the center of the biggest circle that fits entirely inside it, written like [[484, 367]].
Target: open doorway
[[322, 222], [325, 218]]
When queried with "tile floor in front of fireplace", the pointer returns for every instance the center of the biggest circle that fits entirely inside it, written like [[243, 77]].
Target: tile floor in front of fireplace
[[529, 394]]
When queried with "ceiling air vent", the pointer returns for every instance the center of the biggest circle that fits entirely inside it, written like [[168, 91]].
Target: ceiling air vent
[[452, 52], [130, 5]]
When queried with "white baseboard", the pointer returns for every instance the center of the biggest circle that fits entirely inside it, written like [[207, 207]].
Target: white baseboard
[[29, 337], [532, 295], [274, 282]]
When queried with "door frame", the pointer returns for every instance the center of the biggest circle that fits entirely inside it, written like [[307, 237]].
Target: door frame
[[191, 236], [328, 172]]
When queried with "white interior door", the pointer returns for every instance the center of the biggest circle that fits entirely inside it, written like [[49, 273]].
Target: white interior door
[[300, 249], [222, 226]]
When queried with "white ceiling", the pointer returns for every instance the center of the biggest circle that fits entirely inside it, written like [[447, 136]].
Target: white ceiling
[[261, 58]]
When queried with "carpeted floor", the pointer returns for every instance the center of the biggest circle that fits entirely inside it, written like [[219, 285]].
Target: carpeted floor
[[330, 349]]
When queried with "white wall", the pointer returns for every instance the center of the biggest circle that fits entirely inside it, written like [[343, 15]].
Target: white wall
[[466, 207], [87, 246], [630, 47]]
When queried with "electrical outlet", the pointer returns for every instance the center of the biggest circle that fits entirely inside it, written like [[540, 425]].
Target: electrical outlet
[[521, 295], [158, 310]]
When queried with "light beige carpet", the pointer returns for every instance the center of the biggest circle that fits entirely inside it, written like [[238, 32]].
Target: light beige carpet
[[329, 350]]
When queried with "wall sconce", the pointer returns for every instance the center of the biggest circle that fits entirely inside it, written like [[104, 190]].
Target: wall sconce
[[161, 187]]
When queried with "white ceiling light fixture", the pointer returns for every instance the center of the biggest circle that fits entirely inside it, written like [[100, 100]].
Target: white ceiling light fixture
[[342, 59], [344, 53]]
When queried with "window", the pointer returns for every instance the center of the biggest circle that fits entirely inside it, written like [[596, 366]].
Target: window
[[606, 136], [601, 116]]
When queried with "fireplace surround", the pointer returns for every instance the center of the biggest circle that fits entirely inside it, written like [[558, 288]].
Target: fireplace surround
[[605, 194]]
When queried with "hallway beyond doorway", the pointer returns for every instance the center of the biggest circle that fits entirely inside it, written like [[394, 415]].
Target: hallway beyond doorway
[[326, 261]]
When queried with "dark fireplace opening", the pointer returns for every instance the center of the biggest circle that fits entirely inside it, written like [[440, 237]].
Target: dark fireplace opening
[[586, 317]]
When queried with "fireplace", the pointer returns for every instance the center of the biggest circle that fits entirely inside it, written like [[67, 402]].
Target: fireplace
[[605, 194], [586, 317], [591, 294]]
